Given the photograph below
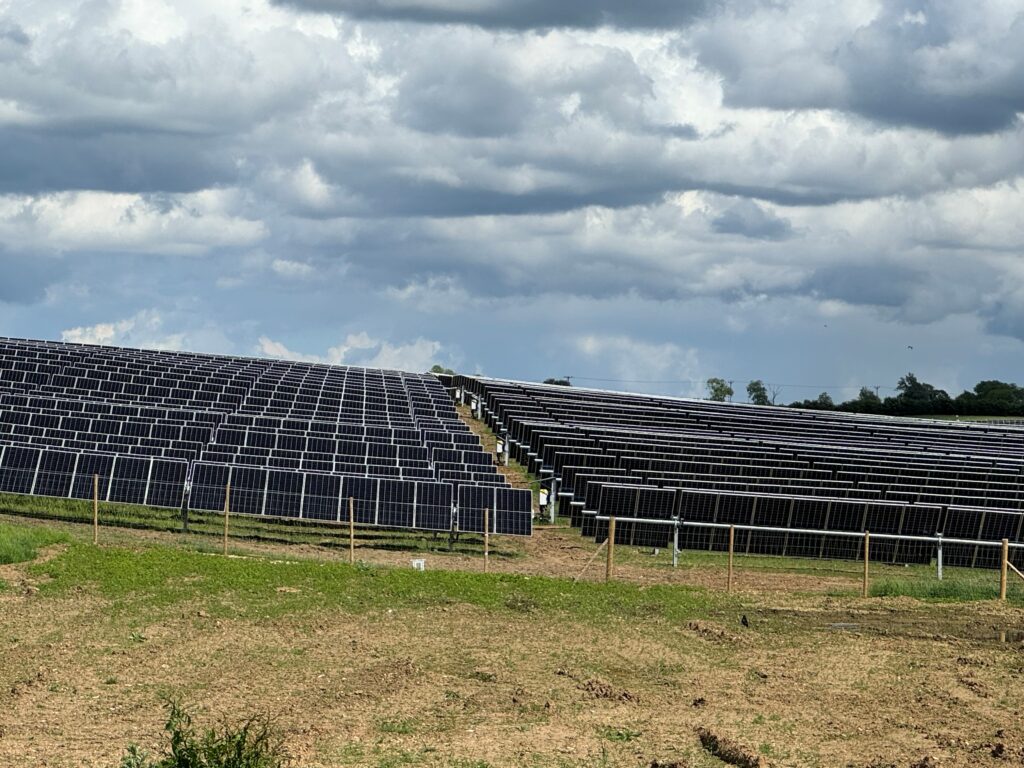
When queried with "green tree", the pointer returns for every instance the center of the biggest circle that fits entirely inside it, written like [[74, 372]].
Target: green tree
[[865, 402], [757, 393], [999, 398], [441, 369], [719, 390], [822, 402], [917, 398], [559, 382]]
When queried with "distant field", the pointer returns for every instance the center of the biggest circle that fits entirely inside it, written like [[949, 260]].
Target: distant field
[[379, 665]]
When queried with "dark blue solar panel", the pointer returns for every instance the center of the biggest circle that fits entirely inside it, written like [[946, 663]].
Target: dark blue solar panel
[[284, 493], [56, 472], [167, 483], [90, 465], [18, 469], [248, 490], [130, 476], [209, 484], [363, 493], [396, 503]]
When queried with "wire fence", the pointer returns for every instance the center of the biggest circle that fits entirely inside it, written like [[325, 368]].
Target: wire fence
[[872, 550], [884, 563]]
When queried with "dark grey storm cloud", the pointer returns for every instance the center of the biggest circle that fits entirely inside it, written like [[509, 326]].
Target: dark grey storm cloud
[[525, 14], [463, 99], [948, 67], [51, 159], [877, 283]]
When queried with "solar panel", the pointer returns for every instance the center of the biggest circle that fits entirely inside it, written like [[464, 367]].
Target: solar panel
[[56, 473], [129, 480]]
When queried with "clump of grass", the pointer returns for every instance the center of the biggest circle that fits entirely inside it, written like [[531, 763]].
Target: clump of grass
[[619, 734], [947, 590], [19, 543], [254, 743], [401, 727]]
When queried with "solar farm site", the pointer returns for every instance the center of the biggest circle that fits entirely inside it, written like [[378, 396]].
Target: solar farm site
[[729, 628]]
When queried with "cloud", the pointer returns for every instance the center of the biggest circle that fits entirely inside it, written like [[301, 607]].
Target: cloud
[[643, 366], [144, 329], [169, 224], [525, 14], [945, 67], [291, 269], [487, 182], [360, 349], [749, 219]]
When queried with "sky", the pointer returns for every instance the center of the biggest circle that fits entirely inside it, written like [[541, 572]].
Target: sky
[[639, 194]]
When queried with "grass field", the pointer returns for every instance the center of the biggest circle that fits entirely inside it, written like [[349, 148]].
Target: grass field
[[379, 665]]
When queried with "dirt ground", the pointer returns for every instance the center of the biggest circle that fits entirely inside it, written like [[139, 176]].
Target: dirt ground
[[813, 681]]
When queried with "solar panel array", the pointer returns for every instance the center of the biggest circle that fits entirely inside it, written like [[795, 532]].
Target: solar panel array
[[297, 440], [659, 458]]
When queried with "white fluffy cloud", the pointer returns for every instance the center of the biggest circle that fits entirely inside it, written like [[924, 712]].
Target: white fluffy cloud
[[145, 330], [181, 225], [293, 269], [361, 349], [643, 366]]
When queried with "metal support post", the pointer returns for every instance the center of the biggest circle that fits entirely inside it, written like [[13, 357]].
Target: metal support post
[[553, 501], [675, 544]]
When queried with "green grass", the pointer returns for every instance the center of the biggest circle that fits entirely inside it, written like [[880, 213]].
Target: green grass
[[919, 581], [254, 743], [947, 590], [618, 734], [155, 578], [401, 727], [19, 544]]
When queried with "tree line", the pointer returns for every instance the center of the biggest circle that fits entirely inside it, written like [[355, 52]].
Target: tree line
[[913, 398]]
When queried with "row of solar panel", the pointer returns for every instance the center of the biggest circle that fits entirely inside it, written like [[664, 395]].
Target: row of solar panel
[[800, 512], [302, 444], [352, 409], [144, 422], [108, 383], [570, 463], [257, 491], [721, 480], [82, 429], [124, 479], [697, 447], [175, 450], [35, 404], [745, 416], [325, 463]]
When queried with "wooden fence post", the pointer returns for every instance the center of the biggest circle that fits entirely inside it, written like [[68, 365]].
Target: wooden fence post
[[95, 509], [867, 558], [1003, 561], [610, 562], [732, 549], [351, 531], [227, 513], [487, 540]]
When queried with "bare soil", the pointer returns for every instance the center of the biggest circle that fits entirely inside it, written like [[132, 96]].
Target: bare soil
[[813, 680]]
